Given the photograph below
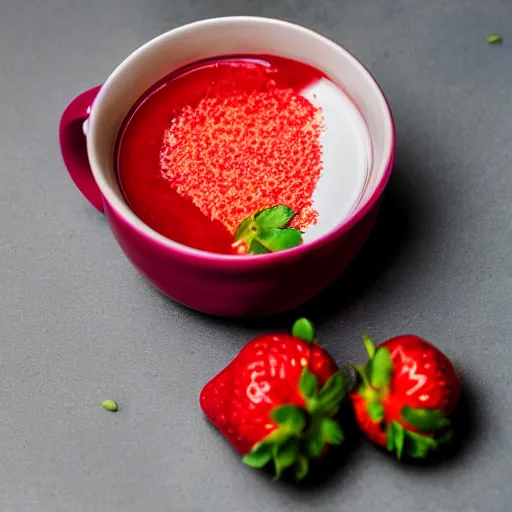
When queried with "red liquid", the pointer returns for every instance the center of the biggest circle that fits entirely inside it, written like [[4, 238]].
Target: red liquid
[[146, 190]]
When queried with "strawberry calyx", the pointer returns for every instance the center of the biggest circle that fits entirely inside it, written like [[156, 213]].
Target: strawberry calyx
[[302, 433], [266, 231], [417, 431], [416, 445]]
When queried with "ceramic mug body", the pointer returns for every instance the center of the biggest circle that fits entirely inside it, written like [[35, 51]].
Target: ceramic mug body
[[236, 286]]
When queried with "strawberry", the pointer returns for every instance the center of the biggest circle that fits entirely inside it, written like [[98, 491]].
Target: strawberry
[[276, 400], [407, 390]]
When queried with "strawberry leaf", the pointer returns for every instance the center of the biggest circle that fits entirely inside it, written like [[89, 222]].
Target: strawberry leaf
[[331, 394], [245, 229], [415, 445], [276, 239], [445, 437], [279, 436], [376, 411], [304, 329], [290, 417], [399, 440], [425, 420], [362, 373], [315, 445], [370, 347], [301, 467], [257, 248], [331, 431], [381, 368], [285, 456], [390, 436], [308, 384], [266, 231], [259, 456], [276, 217], [418, 446]]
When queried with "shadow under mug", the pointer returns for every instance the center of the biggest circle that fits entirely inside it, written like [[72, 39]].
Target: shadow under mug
[[224, 285]]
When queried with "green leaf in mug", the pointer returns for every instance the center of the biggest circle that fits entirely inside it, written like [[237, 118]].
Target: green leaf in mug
[[279, 239], [266, 232], [245, 229], [276, 217], [257, 248]]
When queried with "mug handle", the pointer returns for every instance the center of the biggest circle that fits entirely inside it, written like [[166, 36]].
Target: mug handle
[[74, 149]]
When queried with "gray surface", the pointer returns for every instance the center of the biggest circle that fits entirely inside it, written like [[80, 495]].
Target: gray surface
[[79, 325]]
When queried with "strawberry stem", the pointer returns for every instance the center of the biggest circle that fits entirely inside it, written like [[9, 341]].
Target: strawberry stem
[[304, 329]]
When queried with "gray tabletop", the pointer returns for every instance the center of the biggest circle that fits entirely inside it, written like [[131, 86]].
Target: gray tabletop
[[78, 324]]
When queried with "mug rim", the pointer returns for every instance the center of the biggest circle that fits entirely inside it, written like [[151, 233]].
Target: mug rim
[[229, 260]]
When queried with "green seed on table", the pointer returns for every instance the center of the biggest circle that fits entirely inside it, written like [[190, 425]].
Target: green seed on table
[[110, 405], [494, 39]]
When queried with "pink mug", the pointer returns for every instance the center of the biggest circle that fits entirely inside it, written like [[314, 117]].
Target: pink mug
[[224, 285]]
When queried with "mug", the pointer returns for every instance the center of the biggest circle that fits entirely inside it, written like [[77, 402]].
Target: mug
[[225, 285]]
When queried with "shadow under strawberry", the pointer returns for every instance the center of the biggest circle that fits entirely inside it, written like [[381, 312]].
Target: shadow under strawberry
[[338, 459]]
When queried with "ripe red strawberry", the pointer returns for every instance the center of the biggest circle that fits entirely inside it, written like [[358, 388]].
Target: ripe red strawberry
[[407, 390], [276, 400]]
